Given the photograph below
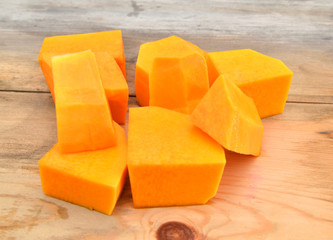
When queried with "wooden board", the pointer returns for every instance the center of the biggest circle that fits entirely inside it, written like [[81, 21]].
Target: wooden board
[[286, 193], [299, 34]]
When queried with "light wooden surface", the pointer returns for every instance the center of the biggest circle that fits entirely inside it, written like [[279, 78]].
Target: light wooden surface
[[286, 193]]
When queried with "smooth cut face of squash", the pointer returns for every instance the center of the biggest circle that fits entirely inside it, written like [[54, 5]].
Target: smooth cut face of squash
[[178, 83], [92, 179], [113, 81], [109, 41], [265, 79], [170, 161], [230, 117], [167, 47], [84, 120], [115, 85]]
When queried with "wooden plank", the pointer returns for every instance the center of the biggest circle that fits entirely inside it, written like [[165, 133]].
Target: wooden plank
[[305, 45], [300, 22], [28, 122], [286, 193]]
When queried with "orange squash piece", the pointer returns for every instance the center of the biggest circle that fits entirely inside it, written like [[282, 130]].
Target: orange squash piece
[[166, 47], [84, 120], [265, 79], [114, 84], [170, 161], [197, 49], [178, 83], [230, 117], [92, 179], [110, 42]]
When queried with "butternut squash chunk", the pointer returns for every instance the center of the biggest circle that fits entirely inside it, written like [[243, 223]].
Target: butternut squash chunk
[[265, 79], [92, 179], [84, 120], [115, 85], [230, 117], [178, 83], [166, 47], [109, 41], [113, 81], [170, 161]]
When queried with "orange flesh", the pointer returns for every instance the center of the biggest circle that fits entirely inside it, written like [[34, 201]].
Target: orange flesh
[[265, 79], [113, 81], [230, 117], [171, 162], [110, 42], [114, 84], [92, 179], [167, 47], [178, 83], [84, 120]]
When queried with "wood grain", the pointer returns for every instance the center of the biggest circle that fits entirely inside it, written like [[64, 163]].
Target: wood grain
[[286, 193], [287, 189], [294, 32]]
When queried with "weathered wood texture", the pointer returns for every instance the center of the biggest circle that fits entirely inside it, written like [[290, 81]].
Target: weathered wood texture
[[299, 33], [286, 193]]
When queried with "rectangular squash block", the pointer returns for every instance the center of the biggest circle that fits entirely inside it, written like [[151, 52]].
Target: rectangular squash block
[[113, 81], [109, 41], [92, 179], [265, 79], [84, 120], [170, 161]]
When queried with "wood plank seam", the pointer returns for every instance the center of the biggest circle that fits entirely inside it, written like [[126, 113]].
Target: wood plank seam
[[133, 96]]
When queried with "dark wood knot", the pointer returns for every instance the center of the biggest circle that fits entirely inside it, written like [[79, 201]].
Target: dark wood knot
[[328, 133], [175, 231]]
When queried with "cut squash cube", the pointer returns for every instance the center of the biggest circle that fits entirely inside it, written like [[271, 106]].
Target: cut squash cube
[[230, 117], [170, 161], [84, 120], [109, 42], [167, 47], [92, 179], [113, 81], [115, 85], [265, 79]]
